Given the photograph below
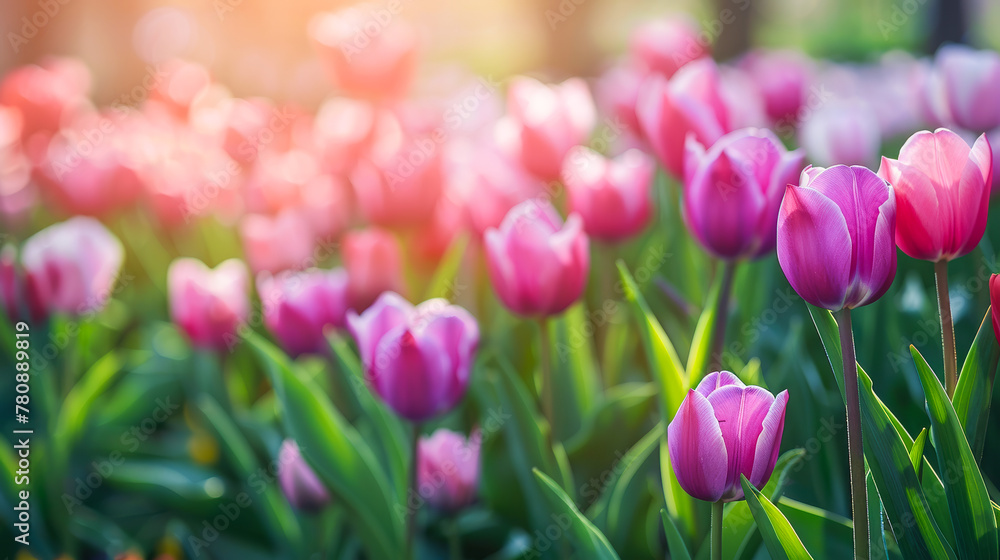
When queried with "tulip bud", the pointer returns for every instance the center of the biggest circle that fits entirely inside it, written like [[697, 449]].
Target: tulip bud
[[724, 429], [733, 190], [612, 196], [664, 45], [273, 244], [71, 267], [298, 305], [842, 133], [209, 305], [942, 191], [298, 481], [962, 88], [448, 469], [418, 359], [835, 236], [374, 265], [537, 264], [995, 303]]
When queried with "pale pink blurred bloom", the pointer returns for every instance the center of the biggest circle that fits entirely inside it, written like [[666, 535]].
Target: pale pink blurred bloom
[[842, 132], [276, 243], [448, 469], [374, 264], [745, 103], [612, 196], [362, 63], [663, 46], [177, 86], [430, 243], [298, 306], [254, 125], [17, 192], [898, 110], [327, 204], [962, 86], [544, 121], [48, 95], [344, 130], [783, 77], [994, 140], [207, 304], [617, 91], [277, 180]]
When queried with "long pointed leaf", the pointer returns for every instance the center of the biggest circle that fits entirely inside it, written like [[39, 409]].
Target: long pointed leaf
[[779, 537], [591, 543], [974, 392]]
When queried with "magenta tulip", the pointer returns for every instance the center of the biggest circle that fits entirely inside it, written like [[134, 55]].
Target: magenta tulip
[[209, 305], [448, 469], [942, 190], [298, 481], [842, 133], [298, 306], [783, 78], [537, 264], [835, 236], [417, 359], [733, 190], [273, 244], [962, 88], [612, 196], [689, 103], [663, 46], [374, 265], [71, 267], [724, 429]]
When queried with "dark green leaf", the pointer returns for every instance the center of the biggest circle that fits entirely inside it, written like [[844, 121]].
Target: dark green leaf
[[974, 392], [590, 542], [675, 543]]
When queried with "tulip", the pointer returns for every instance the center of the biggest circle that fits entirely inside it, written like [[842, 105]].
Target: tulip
[[47, 96], [689, 103], [374, 265], [544, 122], [994, 139], [209, 305], [783, 77], [995, 303], [537, 264], [418, 359], [835, 236], [733, 190], [273, 244], [71, 267], [962, 88], [942, 188], [448, 469], [179, 84], [298, 481], [842, 133], [344, 129], [299, 305], [612, 196], [664, 45], [724, 429], [617, 91]]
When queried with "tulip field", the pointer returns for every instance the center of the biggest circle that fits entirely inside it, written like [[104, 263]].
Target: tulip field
[[688, 305]]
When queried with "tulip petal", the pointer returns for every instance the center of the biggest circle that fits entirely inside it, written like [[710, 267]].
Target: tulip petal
[[389, 311], [919, 214], [973, 197], [769, 441], [697, 450], [740, 412], [716, 380], [408, 374]]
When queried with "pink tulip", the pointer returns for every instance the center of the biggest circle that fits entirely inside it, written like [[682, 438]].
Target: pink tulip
[[689, 103], [617, 91], [254, 125], [178, 85], [71, 267], [282, 242], [733, 190], [209, 305], [663, 46], [344, 130], [374, 265], [537, 264], [298, 306], [724, 429], [994, 139], [448, 469], [745, 103], [943, 189], [835, 236], [962, 88], [783, 77], [47, 96], [362, 63], [842, 133], [612, 196], [418, 359], [545, 121], [298, 481]]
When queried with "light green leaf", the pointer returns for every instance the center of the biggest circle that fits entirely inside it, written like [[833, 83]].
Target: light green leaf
[[590, 542], [779, 537], [675, 543], [974, 392], [917, 453]]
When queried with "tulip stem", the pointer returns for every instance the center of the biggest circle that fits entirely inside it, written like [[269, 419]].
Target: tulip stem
[[856, 453], [547, 389], [454, 542], [717, 530], [411, 519], [721, 316], [947, 327]]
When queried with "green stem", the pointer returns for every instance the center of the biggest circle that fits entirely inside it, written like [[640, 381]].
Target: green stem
[[454, 542], [947, 327], [547, 389], [717, 530], [721, 316], [411, 519], [856, 455]]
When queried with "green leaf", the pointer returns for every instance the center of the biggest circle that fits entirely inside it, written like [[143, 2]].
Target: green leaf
[[338, 454], [974, 392], [675, 543], [917, 453], [443, 284], [76, 408], [590, 542], [630, 488], [779, 537], [876, 530], [823, 533], [701, 343], [573, 367], [969, 502], [902, 497]]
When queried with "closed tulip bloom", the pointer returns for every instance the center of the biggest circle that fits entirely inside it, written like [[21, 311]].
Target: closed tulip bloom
[[71, 267], [612, 196], [724, 429], [689, 103], [962, 88], [842, 133], [733, 190], [298, 481], [208, 304], [538, 265], [273, 244], [942, 190], [418, 359], [299, 305], [664, 45], [835, 236], [448, 469], [374, 265]]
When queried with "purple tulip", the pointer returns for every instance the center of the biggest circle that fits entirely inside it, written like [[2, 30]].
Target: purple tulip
[[418, 359], [448, 469], [733, 190], [836, 236], [962, 88], [298, 481], [724, 429], [537, 264], [298, 305]]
